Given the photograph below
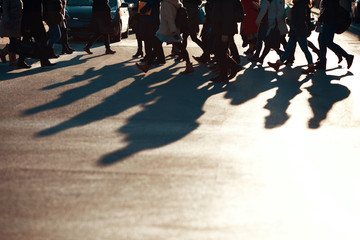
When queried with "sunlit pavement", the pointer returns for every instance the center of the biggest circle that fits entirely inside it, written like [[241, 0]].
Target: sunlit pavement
[[94, 149]]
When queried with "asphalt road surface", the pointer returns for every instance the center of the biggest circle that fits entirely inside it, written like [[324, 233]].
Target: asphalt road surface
[[94, 149]]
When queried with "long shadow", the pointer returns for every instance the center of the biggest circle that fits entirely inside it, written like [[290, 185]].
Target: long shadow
[[103, 78], [250, 84], [177, 105], [288, 86], [10, 73], [324, 94], [170, 106]]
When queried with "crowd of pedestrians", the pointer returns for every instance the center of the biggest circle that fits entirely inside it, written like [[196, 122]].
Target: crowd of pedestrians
[[265, 25]]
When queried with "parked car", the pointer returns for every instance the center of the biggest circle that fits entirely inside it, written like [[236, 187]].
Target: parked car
[[355, 11], [79, 12]]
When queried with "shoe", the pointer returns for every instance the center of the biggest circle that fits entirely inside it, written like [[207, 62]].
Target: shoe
[[309, 70], [349, 60], [138, 54], [53, 55], [144, 59], [202, 59], [47, 63], [159, 62], [68, 47], [275, 66], [109, 51], [189, 69], [234, 71], [289, 63], [23, 65], [179, 58], [144, 67], [87, 49], [66, 51], [51, 52], [340, 58], [220, 79]]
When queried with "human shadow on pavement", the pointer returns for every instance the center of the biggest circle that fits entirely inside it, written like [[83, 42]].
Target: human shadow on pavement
[[11, 73], [101, 79], [171, 108], [324, 94], [250, 84], [288, 87]]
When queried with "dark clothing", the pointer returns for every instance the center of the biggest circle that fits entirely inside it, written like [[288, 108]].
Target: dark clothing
[[101, 12], [154, 6], [328, 11], [101, 16], [32, 26], [224, 17], [300, 19], [148, 25], [52, 12], [192, 7], [224, 24]]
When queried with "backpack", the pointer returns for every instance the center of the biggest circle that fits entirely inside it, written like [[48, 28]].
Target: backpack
[[343, 20], [182, 19], [239, 11]]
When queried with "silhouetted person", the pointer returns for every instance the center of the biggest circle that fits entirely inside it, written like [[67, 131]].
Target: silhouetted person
[[100, 18]]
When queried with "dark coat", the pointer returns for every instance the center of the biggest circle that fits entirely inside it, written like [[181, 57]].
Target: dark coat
[[32, 15], [101, 14], [10, 26], [223, 15], [328, 11], [149, 24], [192, 7], [53, 12], [300, 19]]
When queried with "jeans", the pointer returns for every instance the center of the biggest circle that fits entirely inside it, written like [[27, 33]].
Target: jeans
[[290, 47], [54, 34], [326, 40]]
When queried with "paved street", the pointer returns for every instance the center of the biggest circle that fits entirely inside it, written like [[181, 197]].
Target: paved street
[[94, 149]]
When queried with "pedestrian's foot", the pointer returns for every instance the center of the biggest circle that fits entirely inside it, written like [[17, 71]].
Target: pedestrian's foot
[[340, 58], [47, 64], [23, 65], [234, 71], [109, 51], [309, 70], [86, 49], [138, 54], [144, 67], [66, 51], [274, 66], [201, 59], [349, 60]]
